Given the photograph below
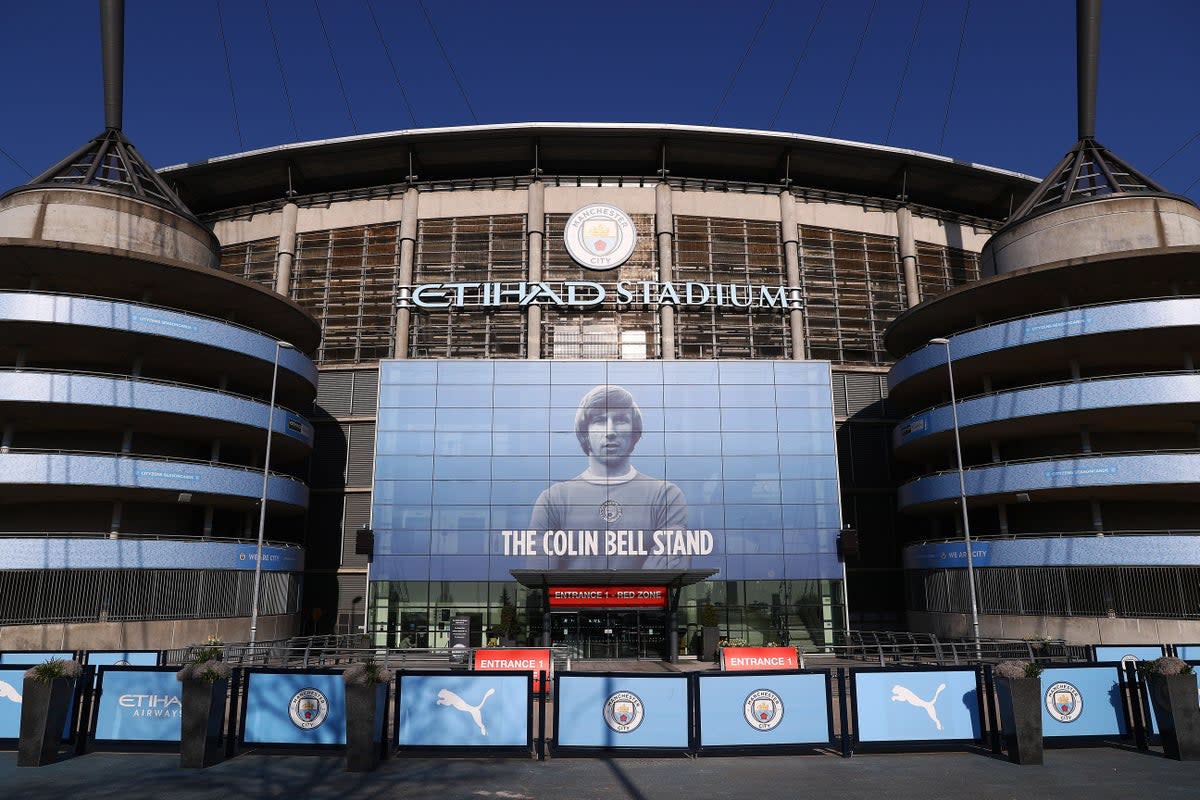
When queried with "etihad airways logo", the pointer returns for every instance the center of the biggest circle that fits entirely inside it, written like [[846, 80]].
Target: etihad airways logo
[[164, 706]]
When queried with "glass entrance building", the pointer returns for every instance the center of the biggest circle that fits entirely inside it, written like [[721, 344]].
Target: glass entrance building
[[714, 480]]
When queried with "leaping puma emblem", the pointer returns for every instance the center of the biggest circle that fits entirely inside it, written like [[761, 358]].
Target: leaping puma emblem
[[449, 698], [900, 694], [9, 692]]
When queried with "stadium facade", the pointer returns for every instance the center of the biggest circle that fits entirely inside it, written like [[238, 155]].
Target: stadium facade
[[460, 333]]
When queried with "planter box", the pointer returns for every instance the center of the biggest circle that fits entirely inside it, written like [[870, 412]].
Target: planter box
[[201, 722], [364, 722], [44, 708], [1021, 718], [1178, 714]]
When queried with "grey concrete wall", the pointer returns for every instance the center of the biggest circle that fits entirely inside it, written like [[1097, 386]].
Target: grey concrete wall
[[1075, 630], [106, 220], [142, 635], [1100, 227]]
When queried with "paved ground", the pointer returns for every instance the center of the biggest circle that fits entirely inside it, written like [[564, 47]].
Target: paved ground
[[1087, 774]]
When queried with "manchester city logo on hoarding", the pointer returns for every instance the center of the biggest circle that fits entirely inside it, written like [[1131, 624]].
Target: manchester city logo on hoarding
[[600, 236], [1064, 702], [308, 709], [623, 712], [763, 710]]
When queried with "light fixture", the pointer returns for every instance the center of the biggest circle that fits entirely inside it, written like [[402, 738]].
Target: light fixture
[[262, 502], [962, 496]]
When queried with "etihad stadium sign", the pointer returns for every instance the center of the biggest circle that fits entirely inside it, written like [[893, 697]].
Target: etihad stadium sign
[[587, 294], [599, 237]]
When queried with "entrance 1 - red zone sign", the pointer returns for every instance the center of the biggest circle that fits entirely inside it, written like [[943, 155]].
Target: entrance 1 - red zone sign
[[745, 658], [608, 596]]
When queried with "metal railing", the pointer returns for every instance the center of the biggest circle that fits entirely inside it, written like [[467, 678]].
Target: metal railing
[[337, 650], [885, 648]]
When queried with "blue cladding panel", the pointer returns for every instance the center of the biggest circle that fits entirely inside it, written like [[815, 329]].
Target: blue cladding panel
[[64, 469], [1064, 473], [114, 315], [1072, 551], [78, 553], [1115, 317]]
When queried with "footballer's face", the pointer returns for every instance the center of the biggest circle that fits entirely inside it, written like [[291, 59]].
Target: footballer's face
[[610, 435]]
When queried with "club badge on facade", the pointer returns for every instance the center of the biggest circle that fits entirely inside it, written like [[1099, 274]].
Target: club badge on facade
[[623, 712], [763, 710], [600, 236], [308, 709], [610, 511], [1064, 702]]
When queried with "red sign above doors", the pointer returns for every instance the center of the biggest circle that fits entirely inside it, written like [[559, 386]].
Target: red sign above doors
[[608, 596]]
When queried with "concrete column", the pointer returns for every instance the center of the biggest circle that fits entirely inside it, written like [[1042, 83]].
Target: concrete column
[[7, 439], [673, 629], [535, 226], [286, 252], [791, 262], [908, 255], [114, 527], [208, 521], [664, 230], [408, 249]]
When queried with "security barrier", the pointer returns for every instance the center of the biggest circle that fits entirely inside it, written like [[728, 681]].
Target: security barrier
[[451, 711]]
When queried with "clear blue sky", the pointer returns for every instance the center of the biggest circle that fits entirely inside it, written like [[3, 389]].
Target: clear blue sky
[[667, 61]]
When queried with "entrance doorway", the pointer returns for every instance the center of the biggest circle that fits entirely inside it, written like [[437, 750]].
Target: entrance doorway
[[611, 633]]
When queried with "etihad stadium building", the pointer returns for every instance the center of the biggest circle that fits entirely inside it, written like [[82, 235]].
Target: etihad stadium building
[[473, 285]]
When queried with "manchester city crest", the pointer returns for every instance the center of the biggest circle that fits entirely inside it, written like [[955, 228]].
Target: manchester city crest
[[308, 709], [600, 236], [1064, 702], [610, 511], [623, 712], [763, 710]]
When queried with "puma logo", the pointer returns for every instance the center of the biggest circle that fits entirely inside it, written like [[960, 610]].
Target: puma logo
[[449, 698], [8, 692], [901, 694]]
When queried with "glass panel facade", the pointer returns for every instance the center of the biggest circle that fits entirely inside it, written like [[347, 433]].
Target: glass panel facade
[[483, 467]]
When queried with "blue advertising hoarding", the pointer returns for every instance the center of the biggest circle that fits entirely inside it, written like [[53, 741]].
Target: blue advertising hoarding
[[456, 710], [12, 683], [917, 706], [295, 708], [31, 657], [483, 467], [140, 704], [765, 709], [123, 658], [1082, 701], [1128, 652], [621, 711]]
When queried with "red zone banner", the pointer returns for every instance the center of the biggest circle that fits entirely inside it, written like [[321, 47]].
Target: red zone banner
[[608, 596], [734, 659], [533, 659]]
